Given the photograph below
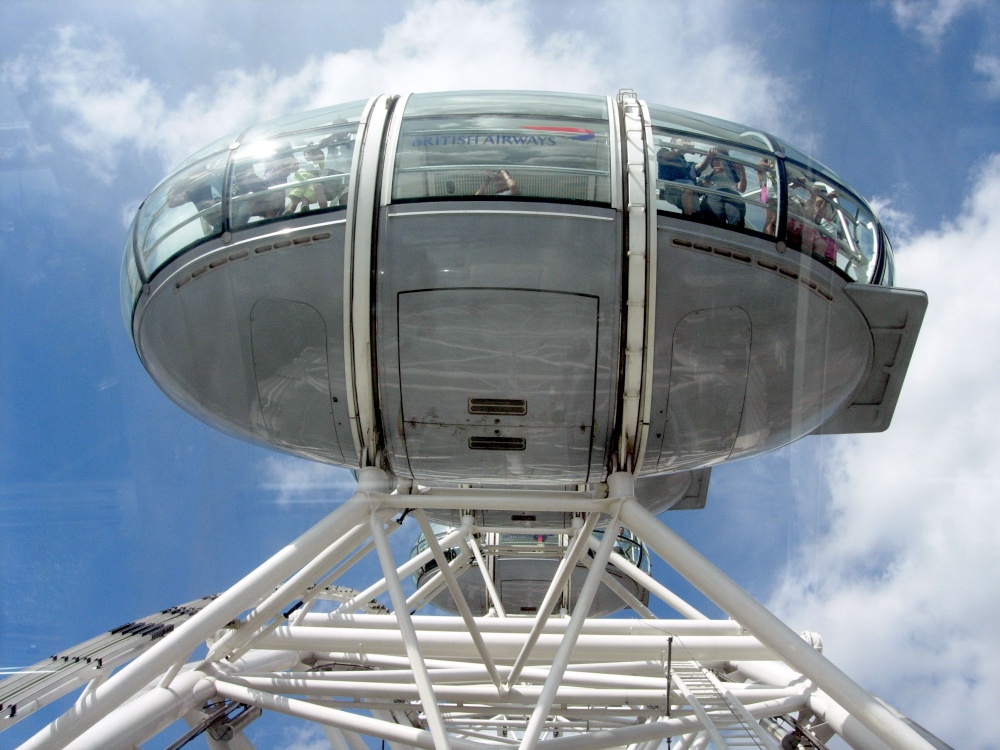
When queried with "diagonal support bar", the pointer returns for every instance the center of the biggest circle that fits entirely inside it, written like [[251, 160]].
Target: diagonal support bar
[[769, 630], [565, 569], [434, 720], [186, 638], [460, 602], [561, 661], [470, 542]]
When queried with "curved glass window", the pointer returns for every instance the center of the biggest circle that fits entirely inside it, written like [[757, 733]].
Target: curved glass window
[[446, 149], [291, 166], [217, 146], [697, 126], [183, 210], [829, 223], [720, 173], [333, 117], [290, 174], [582, 106], [129, 283], [887, 271], [716, 183]]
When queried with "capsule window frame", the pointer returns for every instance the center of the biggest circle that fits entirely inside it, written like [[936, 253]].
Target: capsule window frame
[[658, 131], [286, 143], [466, 124]]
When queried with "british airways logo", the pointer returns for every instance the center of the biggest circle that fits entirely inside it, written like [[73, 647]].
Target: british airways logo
[[576, 134], [539, 135]]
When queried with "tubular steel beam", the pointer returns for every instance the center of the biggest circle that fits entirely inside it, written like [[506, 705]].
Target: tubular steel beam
[[188, 636], [770, 631]]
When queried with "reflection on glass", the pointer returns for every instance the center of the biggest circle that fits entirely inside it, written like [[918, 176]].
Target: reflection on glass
[[829, 223], [292, 174], [129, 282], [184, 209], [500, 155], [523, 103], [715, 183]]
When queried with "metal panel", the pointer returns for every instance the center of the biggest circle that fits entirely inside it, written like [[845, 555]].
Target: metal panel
[[196, 336], [809, 348], [291, 363], [708, 380], [509, 283], [894, 317], [462, 344]]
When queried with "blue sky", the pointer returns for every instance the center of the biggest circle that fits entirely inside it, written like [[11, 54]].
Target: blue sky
[[114, 503]]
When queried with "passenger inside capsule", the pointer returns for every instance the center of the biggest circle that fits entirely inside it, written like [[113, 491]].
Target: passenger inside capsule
[[498, 182], [673, 167], [726, 178]]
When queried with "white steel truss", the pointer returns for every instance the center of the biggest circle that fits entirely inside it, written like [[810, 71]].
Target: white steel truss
[[292, 639]]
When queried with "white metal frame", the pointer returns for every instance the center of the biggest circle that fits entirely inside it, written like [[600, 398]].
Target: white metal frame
[[463, 682]]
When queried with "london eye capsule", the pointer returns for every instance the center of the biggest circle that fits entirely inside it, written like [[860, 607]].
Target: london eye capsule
[[517, 289]]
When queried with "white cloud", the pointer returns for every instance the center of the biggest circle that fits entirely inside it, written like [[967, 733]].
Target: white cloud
[[304, 738], [902, 582], [438, 45], [988, 66], [296, 481], [898, 222], [930, 18], [90, 81], [706, 59]]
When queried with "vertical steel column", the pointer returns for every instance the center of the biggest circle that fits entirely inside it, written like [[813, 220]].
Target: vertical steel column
[[470, 543]]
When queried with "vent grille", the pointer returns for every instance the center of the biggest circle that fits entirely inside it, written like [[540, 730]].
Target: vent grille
[[497, 443], [508, 406]]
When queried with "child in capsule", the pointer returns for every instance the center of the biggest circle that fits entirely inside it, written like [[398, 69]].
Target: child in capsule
[[768, 193], [811, 227], [313, 192]]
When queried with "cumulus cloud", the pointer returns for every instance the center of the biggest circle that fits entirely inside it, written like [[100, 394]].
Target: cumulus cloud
[[715, 66], [296, 481], [898, 222], [930, 18], [437, 45], [902, 581], [988, 66], [89, 81]]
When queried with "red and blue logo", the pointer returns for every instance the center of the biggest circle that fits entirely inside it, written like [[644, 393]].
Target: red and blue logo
[[576, 134]]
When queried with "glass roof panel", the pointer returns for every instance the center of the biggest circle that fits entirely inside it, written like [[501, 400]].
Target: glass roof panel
[[507, 103], [220, 144], [704, 125], [316, 118]]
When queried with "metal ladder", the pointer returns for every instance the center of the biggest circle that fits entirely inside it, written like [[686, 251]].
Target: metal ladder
[[725, 719]]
